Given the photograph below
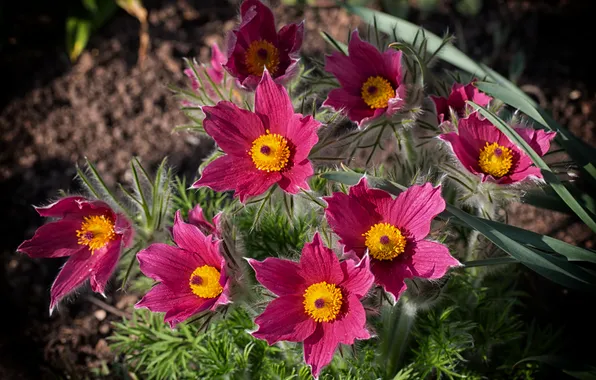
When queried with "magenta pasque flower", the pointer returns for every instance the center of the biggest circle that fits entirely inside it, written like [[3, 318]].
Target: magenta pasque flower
[[201, 76], [255, 45], [197, 218], [90, 232], [192, 275], [392, 231], [484, 150], [457, 101], [318, 301], [371, 81], [268, 146]]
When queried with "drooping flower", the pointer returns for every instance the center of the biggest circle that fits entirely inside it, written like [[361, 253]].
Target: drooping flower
[[485, 151], [393, 231], [268, 146], [192, 275], [318, 301], [197, 218], [255, 45], [371, 81], [457, 101], [90, 232]]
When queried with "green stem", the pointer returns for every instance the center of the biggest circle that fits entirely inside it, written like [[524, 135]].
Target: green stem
[[399, 336]]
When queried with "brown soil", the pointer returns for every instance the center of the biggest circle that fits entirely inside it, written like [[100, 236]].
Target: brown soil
[[106, 108]]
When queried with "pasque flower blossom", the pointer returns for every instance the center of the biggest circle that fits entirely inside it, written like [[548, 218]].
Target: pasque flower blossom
[[192, 275], [201, 76], [319, 301], [90, 232], [197, 218], [485, 151], [256, 45], [268, 146], [392, 231], [456, 101], [371, 81]]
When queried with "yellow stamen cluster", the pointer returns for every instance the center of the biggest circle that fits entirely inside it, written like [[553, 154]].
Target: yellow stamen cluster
[[322, 301], [204, 282], [96, 231], [270, 152], [261, 54], [495, 160], [377, 91], [384, 241]]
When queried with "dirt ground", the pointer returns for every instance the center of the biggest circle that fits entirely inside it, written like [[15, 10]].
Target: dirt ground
[[106, 108]]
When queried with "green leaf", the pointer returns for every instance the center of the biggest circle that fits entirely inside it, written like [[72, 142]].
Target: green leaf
[[573, 368], [491, 261], [78, 31], [341, 47], [548, 175]]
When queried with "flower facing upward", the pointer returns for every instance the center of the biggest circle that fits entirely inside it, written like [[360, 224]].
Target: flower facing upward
[[485, 151], [457, 101], [90, 232], [392, 231], [318, 301], [268, 146], [371, 81], [255, 46], [192, 275]]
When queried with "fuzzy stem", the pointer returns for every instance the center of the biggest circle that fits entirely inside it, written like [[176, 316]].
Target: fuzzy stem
[[399, 336]]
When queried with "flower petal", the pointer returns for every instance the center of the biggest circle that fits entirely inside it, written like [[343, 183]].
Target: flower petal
[[415, 208], [272, 100], [346, 72], [339, 99], [196, 217], [319, 349], [538, 139], [464, 151], [295, 179], [232, 128], [390, 275], [357, 276], [319, 263], [64, 206], [56, 239], [190, 238], [302, 133], [392, 61], [104, 267], [366, 57], [257, 22], [280, 276], [430, 259], [290, 39], [170, 265], [185, 307], [284, 319], [77, 269]]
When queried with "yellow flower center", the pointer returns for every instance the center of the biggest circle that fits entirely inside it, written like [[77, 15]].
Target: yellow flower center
[[204, 282], [384, 241], [270, 152], [322, 301], [377, 91], [495, 160], [96, 231], [261, 54]]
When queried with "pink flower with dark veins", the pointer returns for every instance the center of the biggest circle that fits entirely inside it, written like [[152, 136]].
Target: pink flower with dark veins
[[90, 232]]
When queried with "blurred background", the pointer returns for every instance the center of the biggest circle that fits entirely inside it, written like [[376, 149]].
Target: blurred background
[[88, 78]]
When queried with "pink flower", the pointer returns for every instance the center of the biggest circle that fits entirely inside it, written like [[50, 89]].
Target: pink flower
[[196, 217], [484, 150], [457, 101], [192, 275], [318, 301], [88, 231], [371, 81], [268, 146], [256, 45], [392, 231]]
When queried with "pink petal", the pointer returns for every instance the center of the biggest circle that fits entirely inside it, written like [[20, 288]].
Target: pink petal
[[302, 133], [441, 107], [272, 100], [257, 22], [457, 98], [190, 238], [232, 128], [392, 60], [519, 176], [346, 72], [230, 173], [290, 38], [284, 319], [196, 217], [430, 259], [398, 103], [367, 58], [123, 228], [357, 276], [538, 139], [217, 61], [464, 151], [476, 96], [104, 267], [281, 277], [187, 306], [390, 275], [169, 265], [55, 239], [64, 206], [319, 263], [415, 208], [339, 99], [295, 178], [77, 269]]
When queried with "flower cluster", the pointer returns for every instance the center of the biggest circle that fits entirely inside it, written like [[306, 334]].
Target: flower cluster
[[384, 238]]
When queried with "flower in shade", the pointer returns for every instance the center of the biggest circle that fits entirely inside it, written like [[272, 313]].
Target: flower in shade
[[484, 150], [197, 218], [255, 46], [318, 301], [268, 146], [90, 232], [456, 102], [371, 81], [392, 231], [192, 275]]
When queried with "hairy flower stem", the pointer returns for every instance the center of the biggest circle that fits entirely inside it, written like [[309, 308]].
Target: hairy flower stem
[[403, 317]]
